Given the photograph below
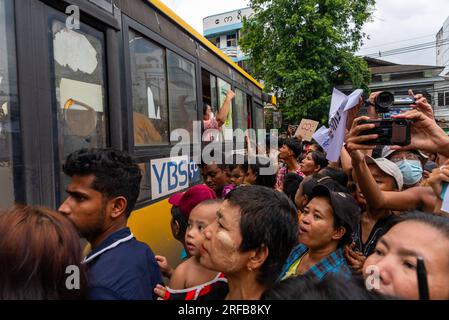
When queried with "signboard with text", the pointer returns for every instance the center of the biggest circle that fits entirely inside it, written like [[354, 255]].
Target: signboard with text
[[306, 129], [227, 18]]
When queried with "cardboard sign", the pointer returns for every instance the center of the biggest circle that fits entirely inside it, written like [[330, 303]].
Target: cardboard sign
[[306, 129]]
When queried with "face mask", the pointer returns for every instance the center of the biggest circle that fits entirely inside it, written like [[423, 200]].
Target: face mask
[[411, 171]]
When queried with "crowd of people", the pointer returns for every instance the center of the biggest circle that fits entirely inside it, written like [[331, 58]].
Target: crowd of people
[[370, 226]]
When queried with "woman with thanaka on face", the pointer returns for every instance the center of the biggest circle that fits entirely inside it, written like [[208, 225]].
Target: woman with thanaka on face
[[255, 229], [392, 268], [190, 278]]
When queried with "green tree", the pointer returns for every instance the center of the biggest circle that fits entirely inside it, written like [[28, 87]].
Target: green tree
[[303, 48]]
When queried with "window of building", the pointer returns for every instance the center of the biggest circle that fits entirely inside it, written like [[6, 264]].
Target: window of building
[[440, 99], [182, 92], [446, 100], [231, 40], [79, 80], [9, 105], [149, 91], [217, 42]]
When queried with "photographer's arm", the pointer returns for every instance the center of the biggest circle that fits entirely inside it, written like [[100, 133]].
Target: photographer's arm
[[375, 198]]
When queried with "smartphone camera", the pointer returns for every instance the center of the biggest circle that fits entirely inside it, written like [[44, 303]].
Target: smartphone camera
[[389, 131]]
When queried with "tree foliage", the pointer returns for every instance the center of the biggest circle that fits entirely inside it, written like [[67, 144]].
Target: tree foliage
[[303, 48]]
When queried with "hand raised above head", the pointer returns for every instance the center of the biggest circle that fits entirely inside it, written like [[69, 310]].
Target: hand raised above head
[[354, 141], [426, 135], [421, 104]]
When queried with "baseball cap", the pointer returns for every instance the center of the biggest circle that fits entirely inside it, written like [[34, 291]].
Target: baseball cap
[[188, 200], [387, 151], [343, 204], [388, 167]]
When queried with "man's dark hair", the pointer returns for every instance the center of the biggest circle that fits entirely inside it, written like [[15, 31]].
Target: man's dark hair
[[268, 218], [320, 159], [336, 174], [115, 173], [182, 221], [256, 164], [307, 287], [291, 184], [293, 144]]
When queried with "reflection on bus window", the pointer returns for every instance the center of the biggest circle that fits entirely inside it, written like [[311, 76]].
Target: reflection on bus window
[[209, 83], [260, 120], [78, 59], [241, 109], [223, 88], [9, 127], [182, 92], [148, 91], [145, 183]]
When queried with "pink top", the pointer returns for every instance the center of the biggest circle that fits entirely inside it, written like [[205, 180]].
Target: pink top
[[210, 124], [281, 176]]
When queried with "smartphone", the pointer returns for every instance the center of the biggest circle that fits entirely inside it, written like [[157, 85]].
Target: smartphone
[[389, 131]]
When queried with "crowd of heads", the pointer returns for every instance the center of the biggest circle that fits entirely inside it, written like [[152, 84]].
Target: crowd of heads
[[370, 226]]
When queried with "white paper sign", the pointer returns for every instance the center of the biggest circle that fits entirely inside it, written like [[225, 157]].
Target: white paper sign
[[322, 137], [338, 115]]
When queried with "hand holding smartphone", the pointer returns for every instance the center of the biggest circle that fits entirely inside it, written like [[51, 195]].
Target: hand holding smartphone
[[389, 131]]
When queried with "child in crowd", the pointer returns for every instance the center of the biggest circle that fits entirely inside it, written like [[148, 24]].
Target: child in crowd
[[190, 278], [183, 203], [237, 172]]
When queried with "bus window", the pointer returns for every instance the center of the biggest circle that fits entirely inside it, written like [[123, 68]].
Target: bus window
[[149, 92], [223, 88], [181, 92], [260, 119], [209, 82], [79, 80], [9, 124], [241, 110]]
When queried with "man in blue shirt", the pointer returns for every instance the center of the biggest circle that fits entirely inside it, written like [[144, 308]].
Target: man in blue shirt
[[102, 192]]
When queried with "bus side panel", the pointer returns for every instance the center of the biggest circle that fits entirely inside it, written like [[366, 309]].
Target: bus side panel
[[151, 225]]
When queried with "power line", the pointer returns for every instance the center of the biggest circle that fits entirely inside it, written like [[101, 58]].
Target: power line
[[408, 49], [388, 43]]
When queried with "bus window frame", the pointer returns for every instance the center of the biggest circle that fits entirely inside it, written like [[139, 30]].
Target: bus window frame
[[36, 90], [152, 151]]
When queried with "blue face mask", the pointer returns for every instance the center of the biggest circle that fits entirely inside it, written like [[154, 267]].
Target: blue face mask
[[411, 171]]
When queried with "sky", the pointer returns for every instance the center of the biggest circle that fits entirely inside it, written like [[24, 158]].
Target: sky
[[395, 24]]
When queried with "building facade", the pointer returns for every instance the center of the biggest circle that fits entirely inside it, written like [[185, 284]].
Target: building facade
[[223, 30], [431, 81]]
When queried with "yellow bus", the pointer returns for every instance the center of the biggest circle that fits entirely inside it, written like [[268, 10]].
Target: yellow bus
[[103, 73]]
